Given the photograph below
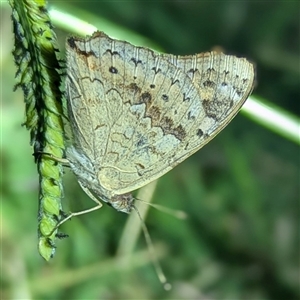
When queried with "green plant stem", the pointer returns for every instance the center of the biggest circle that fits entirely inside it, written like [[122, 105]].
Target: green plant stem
[[39, 76]]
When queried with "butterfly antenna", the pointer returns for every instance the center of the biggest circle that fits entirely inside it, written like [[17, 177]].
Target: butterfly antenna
[[161, 276], [179, 214]]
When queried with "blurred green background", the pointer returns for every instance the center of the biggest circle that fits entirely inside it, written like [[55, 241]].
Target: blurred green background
[[241, 191]]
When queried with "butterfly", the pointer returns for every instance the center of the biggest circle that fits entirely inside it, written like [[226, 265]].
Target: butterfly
[[135, 114]]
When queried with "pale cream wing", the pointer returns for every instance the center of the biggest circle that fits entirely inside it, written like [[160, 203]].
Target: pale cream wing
[[223, 82], [144, 113]]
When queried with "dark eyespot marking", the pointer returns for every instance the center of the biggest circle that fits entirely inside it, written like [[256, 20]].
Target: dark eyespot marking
[[113, 70], [199, 133], [165, 97]]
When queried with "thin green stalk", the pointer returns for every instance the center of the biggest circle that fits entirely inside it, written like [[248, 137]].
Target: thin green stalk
[[39, 76]]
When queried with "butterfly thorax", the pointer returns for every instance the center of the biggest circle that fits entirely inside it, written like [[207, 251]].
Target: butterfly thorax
[[84, 169]]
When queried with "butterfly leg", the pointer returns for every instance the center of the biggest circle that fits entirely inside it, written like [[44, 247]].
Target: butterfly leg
[[64, 161], [74, 214]]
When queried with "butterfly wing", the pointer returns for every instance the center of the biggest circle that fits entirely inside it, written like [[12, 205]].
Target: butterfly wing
[[137, 113]]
